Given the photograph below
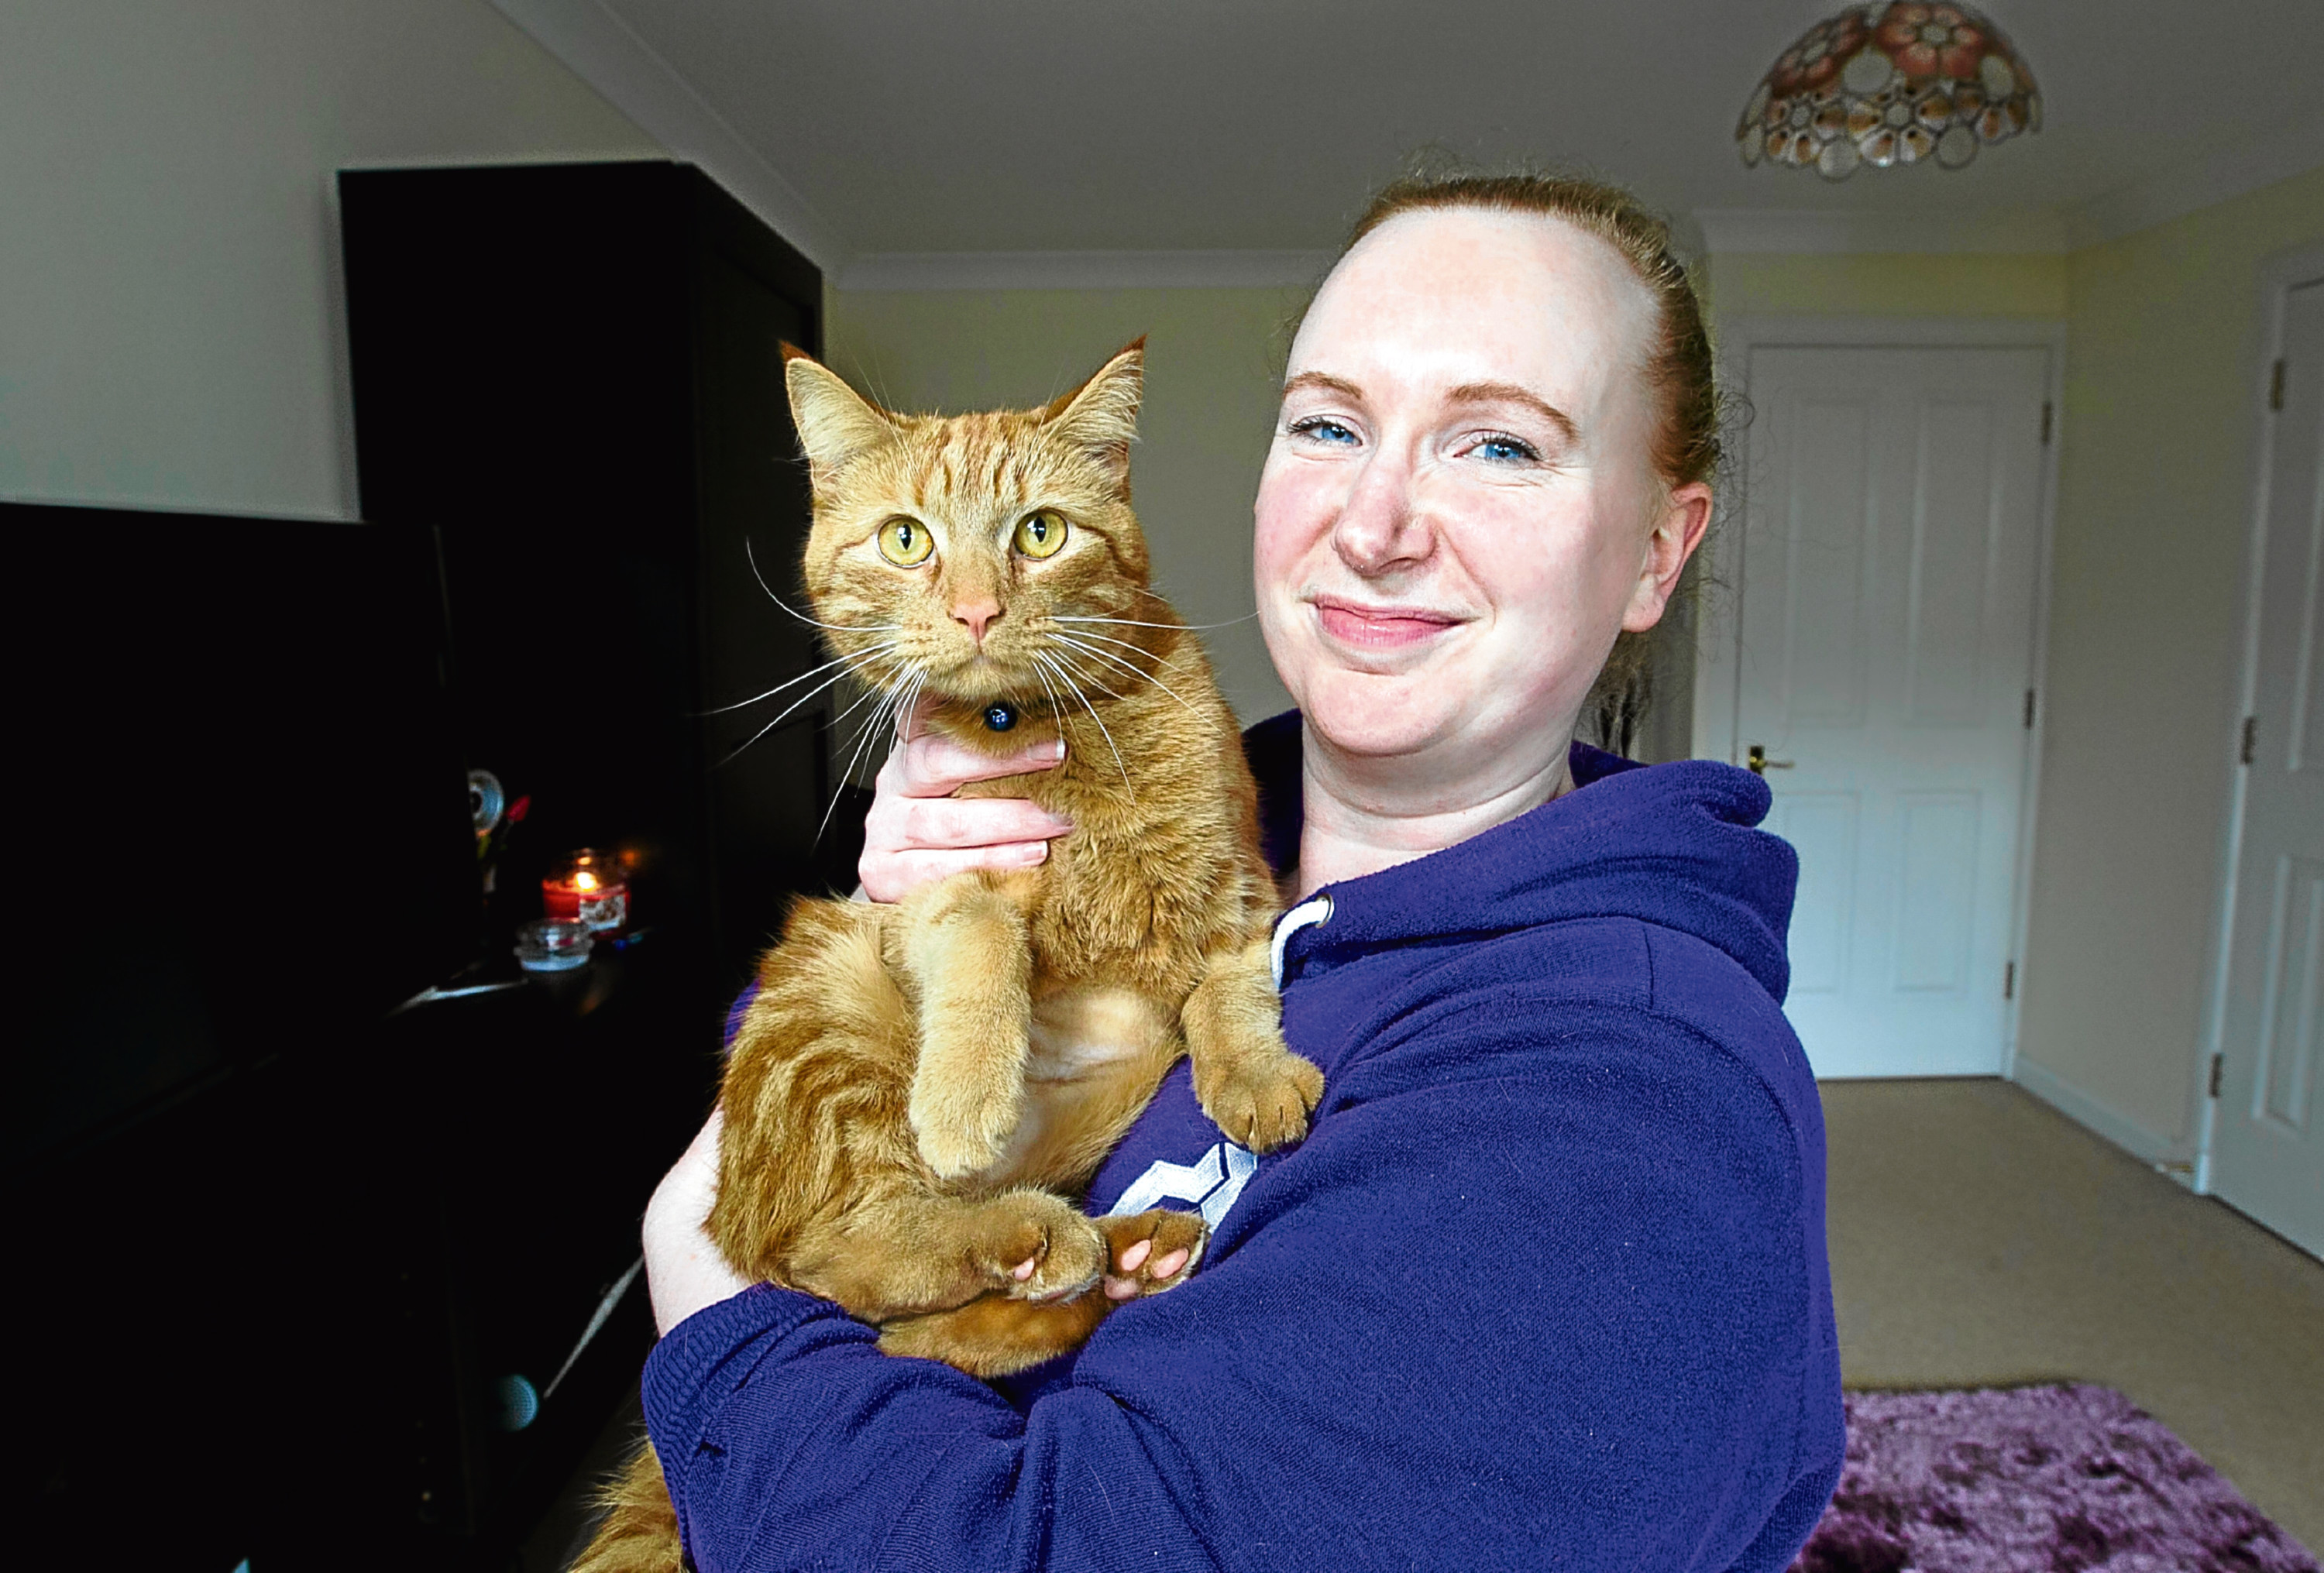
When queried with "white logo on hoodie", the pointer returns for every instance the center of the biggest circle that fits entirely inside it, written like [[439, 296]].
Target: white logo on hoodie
[[1211, 1183]]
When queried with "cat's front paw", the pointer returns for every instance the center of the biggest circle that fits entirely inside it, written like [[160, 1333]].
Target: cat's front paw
[[1260, 1100], [1149, 1252], [1037, 1246], [962, 1130]]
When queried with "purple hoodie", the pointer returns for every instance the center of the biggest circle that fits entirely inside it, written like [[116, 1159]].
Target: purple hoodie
[[1545, 1286]]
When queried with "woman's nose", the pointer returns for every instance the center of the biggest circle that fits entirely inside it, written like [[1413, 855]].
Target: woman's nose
[[1380, 524]]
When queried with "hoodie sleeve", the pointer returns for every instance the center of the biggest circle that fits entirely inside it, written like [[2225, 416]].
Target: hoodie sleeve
[[1533, 1294]]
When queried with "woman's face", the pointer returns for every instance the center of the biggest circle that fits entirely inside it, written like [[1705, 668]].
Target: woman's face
[[1458, 510]]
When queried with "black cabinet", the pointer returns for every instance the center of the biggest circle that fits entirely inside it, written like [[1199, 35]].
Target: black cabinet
[[573, 374]]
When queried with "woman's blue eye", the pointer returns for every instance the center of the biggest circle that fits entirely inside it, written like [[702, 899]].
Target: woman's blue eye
[[1329, 430], [1506, 448]]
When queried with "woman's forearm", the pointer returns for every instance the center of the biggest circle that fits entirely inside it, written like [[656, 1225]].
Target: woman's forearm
[[685, 1273]]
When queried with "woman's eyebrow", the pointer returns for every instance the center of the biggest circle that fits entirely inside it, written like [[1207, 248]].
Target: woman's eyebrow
[[1510, 393], [1324, 380]]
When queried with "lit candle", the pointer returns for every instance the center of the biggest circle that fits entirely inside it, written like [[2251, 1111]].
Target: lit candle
[[587, 888]]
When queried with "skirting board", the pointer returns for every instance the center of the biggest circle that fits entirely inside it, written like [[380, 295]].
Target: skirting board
[[2099, 1120]]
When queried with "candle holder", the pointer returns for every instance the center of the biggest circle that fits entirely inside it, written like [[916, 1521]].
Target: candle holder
[[590, 888], [550, 945]]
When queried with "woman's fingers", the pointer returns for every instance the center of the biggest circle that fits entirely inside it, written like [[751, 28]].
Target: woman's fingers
[[917, 831], [908, 824], [892, 876], [1000, 833], [892, 866], [933, 765]]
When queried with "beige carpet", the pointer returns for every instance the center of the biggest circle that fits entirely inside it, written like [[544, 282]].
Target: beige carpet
[[1981, 1239]]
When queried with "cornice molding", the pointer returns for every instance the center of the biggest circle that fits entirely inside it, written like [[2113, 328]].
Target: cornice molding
[[888, 271], [598, 47], [2192, 184]]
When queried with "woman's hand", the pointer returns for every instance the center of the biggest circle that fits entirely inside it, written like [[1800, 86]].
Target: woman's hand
[[684, 1271], [917, 832]]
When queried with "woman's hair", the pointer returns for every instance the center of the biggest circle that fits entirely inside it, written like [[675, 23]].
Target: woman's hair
[[1685, 446]]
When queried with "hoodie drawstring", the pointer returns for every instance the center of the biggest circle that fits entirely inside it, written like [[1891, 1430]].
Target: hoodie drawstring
[[1315, 909]]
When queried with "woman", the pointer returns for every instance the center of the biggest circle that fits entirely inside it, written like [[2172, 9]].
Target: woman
[[1545, 1284]]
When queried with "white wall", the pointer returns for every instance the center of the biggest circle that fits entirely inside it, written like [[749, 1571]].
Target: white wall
[[170, 316], [2145, 646]]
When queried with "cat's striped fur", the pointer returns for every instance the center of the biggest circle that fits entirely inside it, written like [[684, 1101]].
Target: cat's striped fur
[[920, 1092]]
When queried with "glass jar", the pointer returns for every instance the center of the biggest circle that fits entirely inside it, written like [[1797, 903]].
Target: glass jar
[[589, 888], [550, 945]]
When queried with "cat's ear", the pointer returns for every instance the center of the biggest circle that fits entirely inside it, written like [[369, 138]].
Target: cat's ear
[[1101, 416], [834, 423]]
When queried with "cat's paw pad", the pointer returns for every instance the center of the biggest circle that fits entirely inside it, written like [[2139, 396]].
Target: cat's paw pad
[[960, 1133], [1149, 1252], [1043, 1249], [1261, 1100]]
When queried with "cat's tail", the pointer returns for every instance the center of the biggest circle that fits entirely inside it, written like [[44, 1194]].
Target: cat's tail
[[639, 1534]]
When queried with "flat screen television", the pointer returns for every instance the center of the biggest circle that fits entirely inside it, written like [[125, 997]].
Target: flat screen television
[[242, 822]]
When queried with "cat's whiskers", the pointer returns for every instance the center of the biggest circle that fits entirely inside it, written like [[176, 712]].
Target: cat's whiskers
[[906, 680], [1150, 595], [1087, 680], [903, 682], [777, 688], [841, 627], [1135, 672], [1127, 645], [1057, 709], [1133, 622], [853, 667], [1091, 651], [1074, 689], [873, 690], [907, 695]]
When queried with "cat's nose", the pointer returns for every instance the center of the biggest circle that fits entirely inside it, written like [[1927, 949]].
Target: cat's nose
[[976, 615]]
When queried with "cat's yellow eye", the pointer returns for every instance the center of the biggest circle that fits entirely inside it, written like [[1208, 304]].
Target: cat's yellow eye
[[1039, 535], [905, 542]]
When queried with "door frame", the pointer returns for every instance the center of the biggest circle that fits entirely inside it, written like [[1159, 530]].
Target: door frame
[[1717, 669], [2276, 277]]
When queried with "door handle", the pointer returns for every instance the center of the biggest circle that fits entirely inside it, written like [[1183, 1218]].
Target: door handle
[[1761, 764]]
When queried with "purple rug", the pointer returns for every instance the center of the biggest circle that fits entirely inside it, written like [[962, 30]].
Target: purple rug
[[2033, 1480]]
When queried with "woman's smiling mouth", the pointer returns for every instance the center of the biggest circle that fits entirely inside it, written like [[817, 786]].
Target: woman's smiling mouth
[[1379, 628]]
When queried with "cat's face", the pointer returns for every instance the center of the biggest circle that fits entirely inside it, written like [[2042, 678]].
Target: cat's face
[[955, 551]]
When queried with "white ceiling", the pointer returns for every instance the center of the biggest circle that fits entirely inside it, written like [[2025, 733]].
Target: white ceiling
[[1159, 125]]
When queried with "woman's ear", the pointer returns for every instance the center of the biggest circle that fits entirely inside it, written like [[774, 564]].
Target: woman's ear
[[1685, 515], [1101, 416], [834, 423]]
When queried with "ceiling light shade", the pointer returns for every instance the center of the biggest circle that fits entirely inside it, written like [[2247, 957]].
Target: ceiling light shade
[[1899, 83]]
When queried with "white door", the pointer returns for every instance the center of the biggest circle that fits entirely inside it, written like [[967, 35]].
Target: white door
[[1885, 638], [2267, 1156]]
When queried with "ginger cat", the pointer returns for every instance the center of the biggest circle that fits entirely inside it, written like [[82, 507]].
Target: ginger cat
[[918, 1091]]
